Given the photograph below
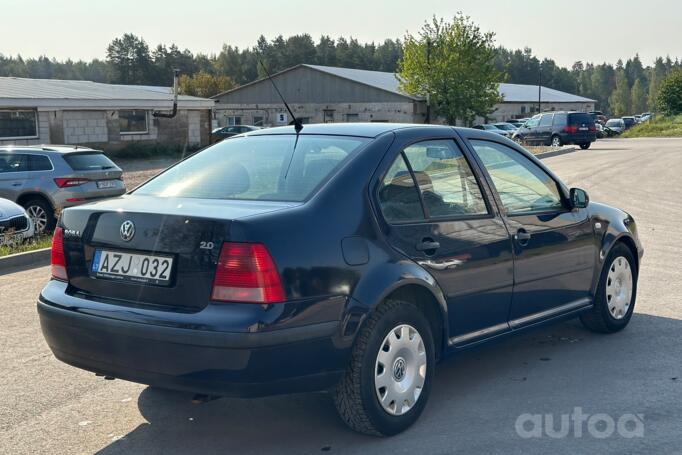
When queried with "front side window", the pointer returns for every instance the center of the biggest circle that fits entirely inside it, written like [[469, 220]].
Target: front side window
[[521, 184], [446, 181], [546, 120], [16, 124], [132, 121], [533, 122], [13, 162], [273, 168]]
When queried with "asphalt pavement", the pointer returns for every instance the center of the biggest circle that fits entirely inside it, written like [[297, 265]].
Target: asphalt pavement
[[559, 389]]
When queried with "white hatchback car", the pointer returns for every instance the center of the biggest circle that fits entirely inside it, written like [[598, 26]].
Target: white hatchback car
[[15, 224]]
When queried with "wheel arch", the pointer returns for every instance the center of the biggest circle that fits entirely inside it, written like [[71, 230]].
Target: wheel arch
[[27, 196]]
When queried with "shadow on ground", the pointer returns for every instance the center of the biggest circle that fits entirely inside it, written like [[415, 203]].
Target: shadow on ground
[[476, 399]]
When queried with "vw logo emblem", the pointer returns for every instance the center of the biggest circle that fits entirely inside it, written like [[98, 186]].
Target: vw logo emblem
[[127, 231], [399, 369]]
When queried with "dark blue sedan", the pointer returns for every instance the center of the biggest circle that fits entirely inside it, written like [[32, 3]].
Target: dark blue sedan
[[348, 257]]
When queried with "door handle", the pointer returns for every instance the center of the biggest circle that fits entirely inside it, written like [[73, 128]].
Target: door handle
[[16, 184], [522, 236], [427, 244]]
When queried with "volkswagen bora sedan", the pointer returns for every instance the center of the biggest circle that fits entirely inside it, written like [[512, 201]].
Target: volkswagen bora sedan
[[349, 257]]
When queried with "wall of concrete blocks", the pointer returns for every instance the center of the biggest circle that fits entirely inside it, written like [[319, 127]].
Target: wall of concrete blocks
[[406, 112], [101, 129]]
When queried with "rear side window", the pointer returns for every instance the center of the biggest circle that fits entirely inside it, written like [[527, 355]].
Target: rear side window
[[88, 161], [398, 196], [39, 163], [579, 119], [272, 167]]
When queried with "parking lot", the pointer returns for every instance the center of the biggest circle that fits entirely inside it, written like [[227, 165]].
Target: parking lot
[[478, 397]]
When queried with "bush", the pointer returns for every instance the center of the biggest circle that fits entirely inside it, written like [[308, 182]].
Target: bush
[[669, 98], [657, 127]]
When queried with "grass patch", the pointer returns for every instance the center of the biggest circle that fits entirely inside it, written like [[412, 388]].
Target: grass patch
[[36, 243], [657, 127]]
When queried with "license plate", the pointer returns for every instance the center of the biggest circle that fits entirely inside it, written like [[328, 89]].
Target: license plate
[[141, 268], [101, 184], [584, 128]]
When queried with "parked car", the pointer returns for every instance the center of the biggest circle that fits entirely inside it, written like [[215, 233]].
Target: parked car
[[504, 126], [638, 118], [598, 117], [615, 125], [558, 128], [646, 117], [601, 132], [629, 121], [350, 258], [518, 124], [48, 178], [219, 134], [15, 224], [493, 129]]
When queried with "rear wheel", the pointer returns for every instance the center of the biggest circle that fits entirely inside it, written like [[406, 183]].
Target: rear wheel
[[42, 215], [556, 141], [616, 294], [388, 381], [585, 146]]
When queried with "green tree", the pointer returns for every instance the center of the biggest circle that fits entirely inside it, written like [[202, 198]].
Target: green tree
[[669, 99], [130, 60], [638, 97], [620, 98], [452, 63], [204, 85]]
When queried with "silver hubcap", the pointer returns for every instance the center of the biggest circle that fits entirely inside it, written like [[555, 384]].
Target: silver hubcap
[[619, 287], [556, 142], [38, 216], [400, 370]]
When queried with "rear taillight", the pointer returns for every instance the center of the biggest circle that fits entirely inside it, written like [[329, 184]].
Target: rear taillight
[[246, 273], [66, 182], [570, 129], [58, 261]]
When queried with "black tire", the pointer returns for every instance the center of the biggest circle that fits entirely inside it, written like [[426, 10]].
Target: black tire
[[45, 206], [599, 318], [585, 146], [355, 396], [558, 138]]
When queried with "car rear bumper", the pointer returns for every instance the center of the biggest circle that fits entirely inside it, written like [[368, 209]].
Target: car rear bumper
[[242, 364], [579, 138]]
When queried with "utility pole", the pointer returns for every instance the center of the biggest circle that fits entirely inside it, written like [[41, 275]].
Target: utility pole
[[428, 68], [539, 89]]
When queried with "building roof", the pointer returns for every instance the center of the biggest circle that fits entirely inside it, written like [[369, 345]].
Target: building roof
[[56, 93], [512, 93]]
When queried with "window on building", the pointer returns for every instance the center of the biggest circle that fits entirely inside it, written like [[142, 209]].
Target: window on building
[[16, 124], [352, 117], [328, 116], [304, 120], [523, 109], [133, 121], [258, 120], [234, 120]]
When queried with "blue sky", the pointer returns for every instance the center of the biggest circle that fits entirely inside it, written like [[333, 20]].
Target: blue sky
[[566, 31]]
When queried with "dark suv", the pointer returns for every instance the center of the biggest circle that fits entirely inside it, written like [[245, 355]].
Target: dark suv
[[557, 129]]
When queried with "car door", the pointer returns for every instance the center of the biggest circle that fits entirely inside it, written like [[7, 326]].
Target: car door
[[13, 175], [529, 131], [554, 247], [440, 216], [544, 129]]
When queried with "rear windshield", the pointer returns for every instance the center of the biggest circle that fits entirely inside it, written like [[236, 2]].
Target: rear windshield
[[577, 119], [614, 122], [88, 161], [256, 167]]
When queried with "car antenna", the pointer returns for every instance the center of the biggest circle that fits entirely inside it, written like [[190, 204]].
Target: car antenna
[[298, 126]]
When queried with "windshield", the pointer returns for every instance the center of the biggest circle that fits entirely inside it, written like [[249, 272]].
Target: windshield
[[614, 123], [88, 161], [256, 168]]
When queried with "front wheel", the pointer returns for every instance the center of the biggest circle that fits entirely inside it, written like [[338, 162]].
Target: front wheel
[[616, 293], [388, 381], [585, 146]]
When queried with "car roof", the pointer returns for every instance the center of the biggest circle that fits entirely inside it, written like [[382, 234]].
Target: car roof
[[60, 149], [344, 129]]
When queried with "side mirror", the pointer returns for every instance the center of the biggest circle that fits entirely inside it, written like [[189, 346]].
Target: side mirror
[[579, 198]]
